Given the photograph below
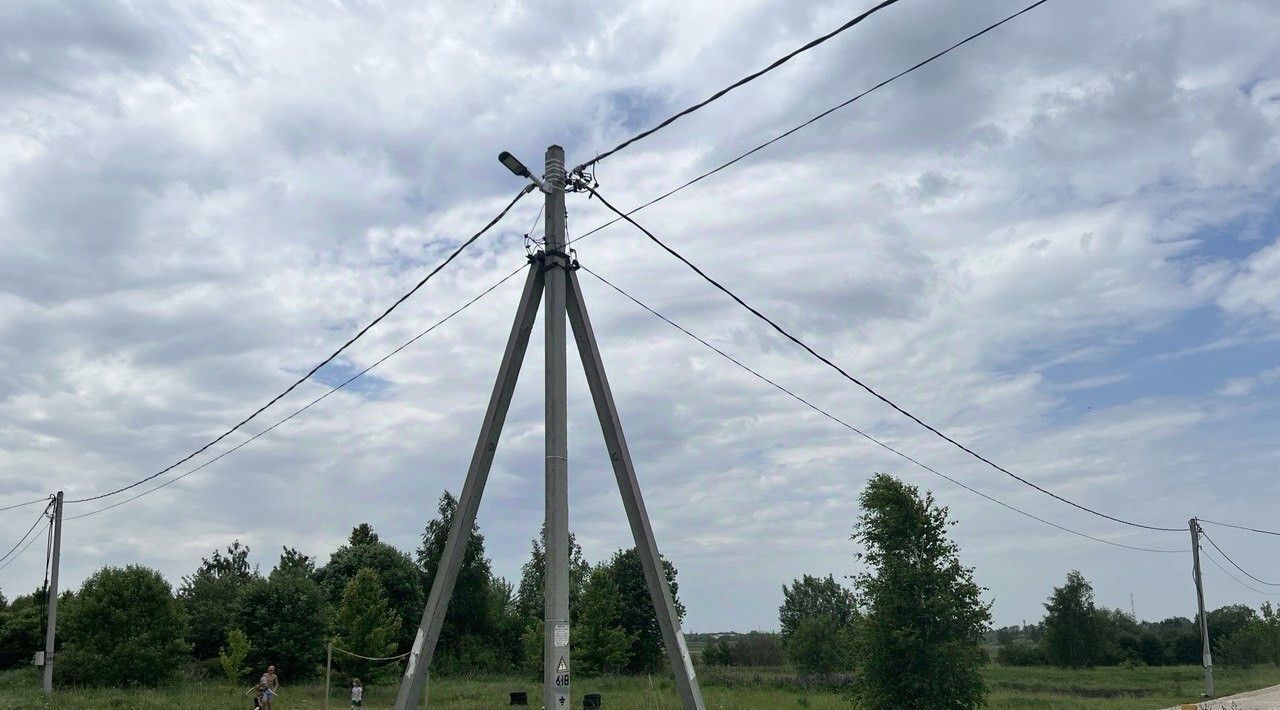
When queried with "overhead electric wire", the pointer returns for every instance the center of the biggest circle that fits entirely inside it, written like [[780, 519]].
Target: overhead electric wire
[[1240, 527], [25, 547], [815, 119], [1236, 579], [858, 431], [1227, 557], [27, 534], [744, 80], [310, 404], [870, 390], [524, 191], [23, 505], [48, 559]]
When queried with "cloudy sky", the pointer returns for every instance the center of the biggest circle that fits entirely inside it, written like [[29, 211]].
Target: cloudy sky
[[1061, 244]]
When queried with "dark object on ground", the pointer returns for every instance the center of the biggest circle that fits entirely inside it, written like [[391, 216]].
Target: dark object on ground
[[591, 701], [520, 698]]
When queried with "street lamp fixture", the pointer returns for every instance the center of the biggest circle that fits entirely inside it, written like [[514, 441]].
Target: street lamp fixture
[[513, 164]]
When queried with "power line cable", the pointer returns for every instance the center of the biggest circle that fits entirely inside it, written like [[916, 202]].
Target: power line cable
[[1240, 527], [744, 80], [310, 404], [25, 547], [870, 390], [858, 431], [44, 598], [1227, 557], [27, 533], [526, 190], [1236, 579], [23, 505], [814, 119]]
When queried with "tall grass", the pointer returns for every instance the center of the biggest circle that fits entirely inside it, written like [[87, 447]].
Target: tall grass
[[1113, 688]]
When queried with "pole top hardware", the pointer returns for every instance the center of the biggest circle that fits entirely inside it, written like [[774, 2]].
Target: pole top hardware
[[517, 168]]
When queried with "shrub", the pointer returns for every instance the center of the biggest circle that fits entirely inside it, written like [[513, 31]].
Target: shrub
[[1247, 646], [1021, 653], [231, 657], [125, 629]]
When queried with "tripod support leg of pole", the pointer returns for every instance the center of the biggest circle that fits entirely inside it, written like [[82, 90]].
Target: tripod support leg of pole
[[424, 645], [633, 501]]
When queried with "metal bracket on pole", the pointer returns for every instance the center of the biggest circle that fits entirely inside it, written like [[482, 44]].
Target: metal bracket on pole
[[632, 500], [424, 645]]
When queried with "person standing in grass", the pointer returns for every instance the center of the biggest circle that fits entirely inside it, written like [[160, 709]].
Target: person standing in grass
[[272, 683], [357, 693]]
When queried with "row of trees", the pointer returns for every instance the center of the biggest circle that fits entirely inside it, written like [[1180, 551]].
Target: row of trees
[[1076, 633], [127, 625], [908, 634]]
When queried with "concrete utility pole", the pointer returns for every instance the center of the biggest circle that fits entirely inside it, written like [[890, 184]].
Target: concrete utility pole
[[551, 275], [52, 627], [555, 647], [1205, 656]]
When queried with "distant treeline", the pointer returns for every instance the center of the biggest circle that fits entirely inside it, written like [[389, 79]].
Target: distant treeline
[[913, 605], [1076, 633], [127, 626]]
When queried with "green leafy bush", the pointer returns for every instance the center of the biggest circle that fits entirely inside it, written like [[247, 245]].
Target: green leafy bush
[[125, 629]]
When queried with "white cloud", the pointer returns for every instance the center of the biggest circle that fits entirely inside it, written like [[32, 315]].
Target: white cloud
[[198, 204]]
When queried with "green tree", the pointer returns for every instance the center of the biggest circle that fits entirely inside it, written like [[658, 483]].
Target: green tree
[[811, 597], [231, 658], [757, 649], [1074, 628], [818, 647], [400, 578], [920, 638], [1271, 631], [1225, 621], [717, 652], [292, 560], [21, 629], [1180, 637], [531, 649], [637, 617], [530, 594], [479, 631], [125, 628], [366, 625], [827, 612], [601, 646], [1020, 652], [1121, 637], [211, 597], [1246, 646], [506, 625], [288, 619]]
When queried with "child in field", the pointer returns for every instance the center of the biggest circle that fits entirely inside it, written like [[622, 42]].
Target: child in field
[[357, 693], [258, 691], [270, 684]]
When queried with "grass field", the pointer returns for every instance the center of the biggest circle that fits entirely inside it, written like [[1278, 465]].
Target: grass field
[[1011, 688]]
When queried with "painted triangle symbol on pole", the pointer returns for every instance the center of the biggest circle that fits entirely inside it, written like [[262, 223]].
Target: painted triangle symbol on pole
[[563, 666]]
